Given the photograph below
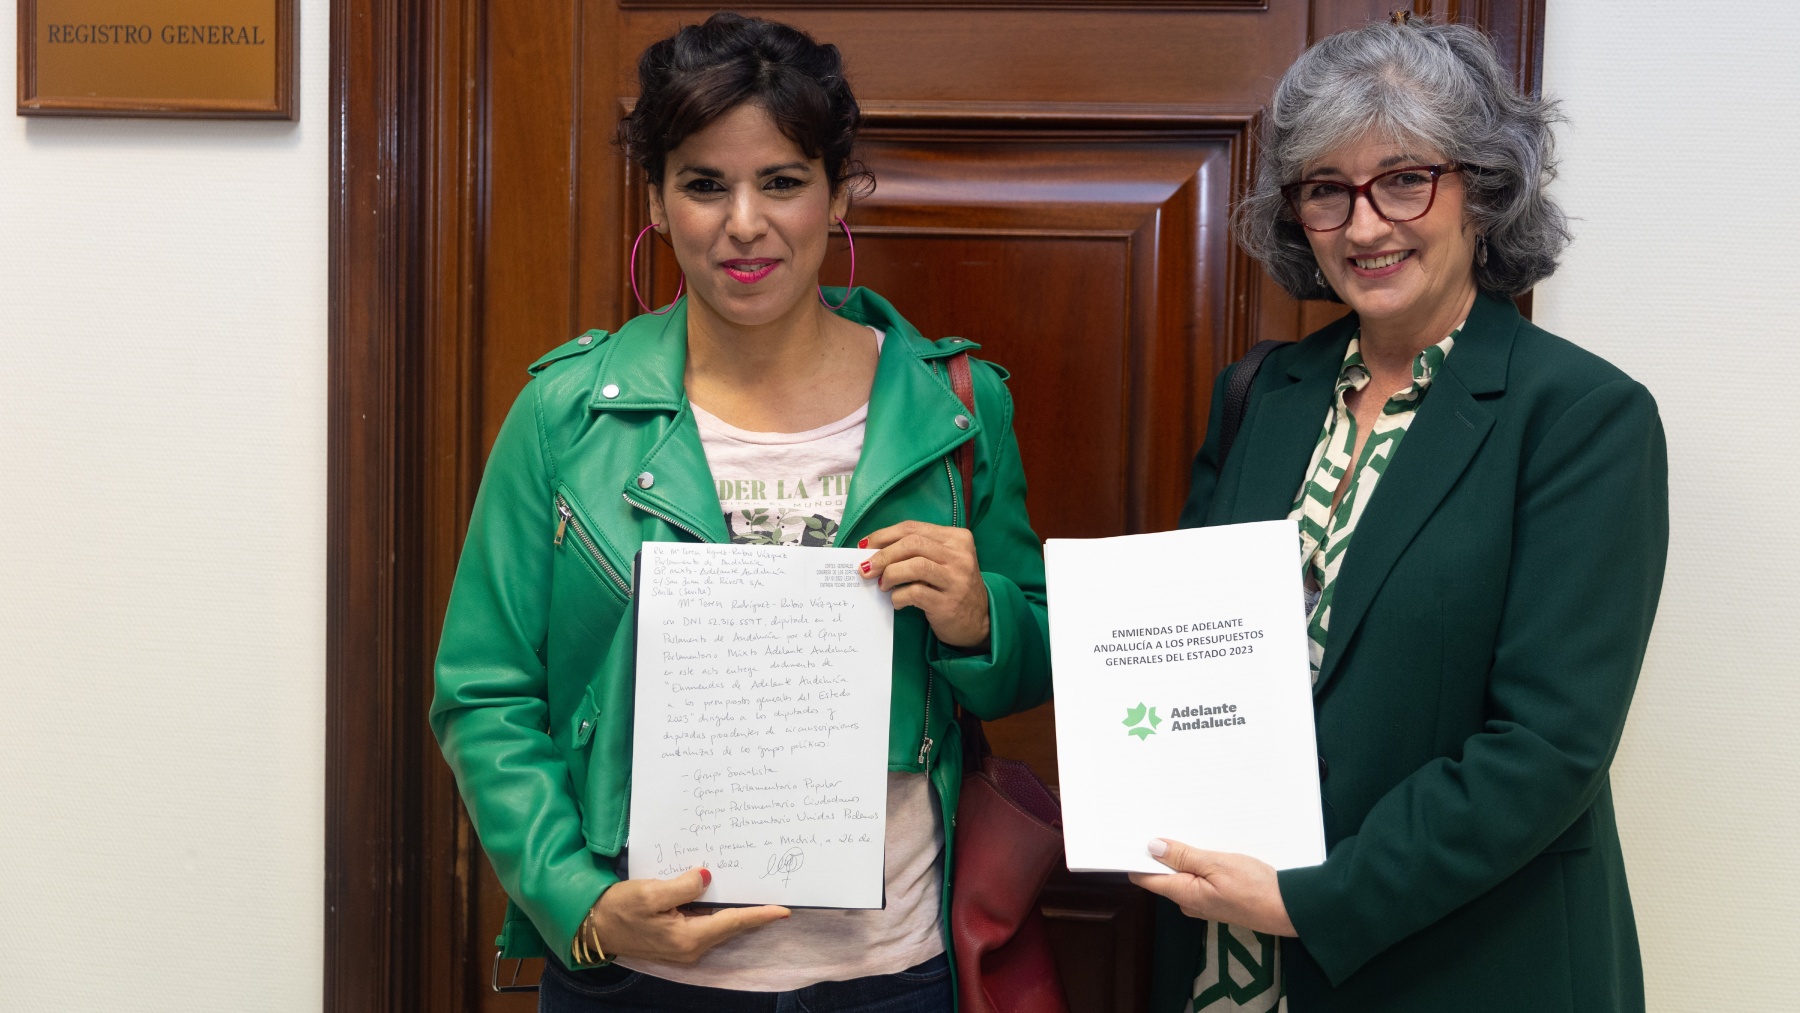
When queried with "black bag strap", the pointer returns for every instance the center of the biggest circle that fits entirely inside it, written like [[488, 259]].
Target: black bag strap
[[1237, 394]]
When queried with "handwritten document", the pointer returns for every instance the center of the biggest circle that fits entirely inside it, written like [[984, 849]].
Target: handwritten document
[[761, 730], [1183, 696]]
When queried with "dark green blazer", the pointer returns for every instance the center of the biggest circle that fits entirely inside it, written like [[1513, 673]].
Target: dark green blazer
[[1486, 635]]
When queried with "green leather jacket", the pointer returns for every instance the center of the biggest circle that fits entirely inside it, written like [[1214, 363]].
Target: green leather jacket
[[600, 454]]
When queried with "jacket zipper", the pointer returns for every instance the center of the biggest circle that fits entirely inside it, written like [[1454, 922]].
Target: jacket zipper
[[955, 496], [665, 518], [926, 741], [925, 745], [567, 521]]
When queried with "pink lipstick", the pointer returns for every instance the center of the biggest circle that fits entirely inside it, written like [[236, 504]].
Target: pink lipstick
[[749, 270]]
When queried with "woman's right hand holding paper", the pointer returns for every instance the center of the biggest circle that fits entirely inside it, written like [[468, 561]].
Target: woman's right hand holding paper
[[644, 918]]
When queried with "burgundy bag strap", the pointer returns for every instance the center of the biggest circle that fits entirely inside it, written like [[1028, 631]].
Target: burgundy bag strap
[[964, 386], [975, 745]]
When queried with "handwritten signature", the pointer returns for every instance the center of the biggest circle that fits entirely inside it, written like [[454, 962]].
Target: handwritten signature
[[785, 864]]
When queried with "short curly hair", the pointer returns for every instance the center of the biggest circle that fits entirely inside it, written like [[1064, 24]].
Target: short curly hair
[[692, 78], [1441, 86]]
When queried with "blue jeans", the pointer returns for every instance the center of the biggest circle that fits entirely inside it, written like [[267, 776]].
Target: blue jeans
[[922, 988]]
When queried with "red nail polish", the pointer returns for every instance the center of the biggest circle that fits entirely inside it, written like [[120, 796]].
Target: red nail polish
[[863, 544], [705, 877], [865, 568]]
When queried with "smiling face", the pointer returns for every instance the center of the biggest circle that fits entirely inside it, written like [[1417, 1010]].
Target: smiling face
[[749, 216], [1400, 275]]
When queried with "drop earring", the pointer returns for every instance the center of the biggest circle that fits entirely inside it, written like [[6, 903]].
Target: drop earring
[[1481, 251], [851, 285], [679, 286]]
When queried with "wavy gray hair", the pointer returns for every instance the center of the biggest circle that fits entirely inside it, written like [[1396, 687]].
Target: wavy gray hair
[[1440, 86]]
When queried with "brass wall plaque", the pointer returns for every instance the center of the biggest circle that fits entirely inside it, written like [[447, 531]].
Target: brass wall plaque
[[211, 58]]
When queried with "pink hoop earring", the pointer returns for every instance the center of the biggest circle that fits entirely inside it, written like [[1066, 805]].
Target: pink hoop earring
[[852, 284], [679, 286]]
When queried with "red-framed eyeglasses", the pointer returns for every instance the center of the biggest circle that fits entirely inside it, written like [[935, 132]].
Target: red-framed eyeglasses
[[1398, 195]]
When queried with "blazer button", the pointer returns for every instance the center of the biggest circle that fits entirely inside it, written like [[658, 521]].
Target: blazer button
[[609, 391], [1324, 769], [646, 480]]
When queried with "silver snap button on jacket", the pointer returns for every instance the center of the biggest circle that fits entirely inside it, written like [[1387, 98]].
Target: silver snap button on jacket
[[646, 480], [962, 422], [585, 339], [610, 391]]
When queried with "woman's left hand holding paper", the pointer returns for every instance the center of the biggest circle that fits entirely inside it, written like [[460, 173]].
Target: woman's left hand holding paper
[[1219, 886], [935, 569]]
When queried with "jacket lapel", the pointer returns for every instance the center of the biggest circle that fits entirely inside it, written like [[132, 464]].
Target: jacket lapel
[[681, 481], [642, 372], [912, 411], [1440, 443]]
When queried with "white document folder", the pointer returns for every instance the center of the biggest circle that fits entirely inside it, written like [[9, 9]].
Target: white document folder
[[1183, 696]]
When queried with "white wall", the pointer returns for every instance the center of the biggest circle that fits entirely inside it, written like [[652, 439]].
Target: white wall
[[1679, 161], [162, 556]]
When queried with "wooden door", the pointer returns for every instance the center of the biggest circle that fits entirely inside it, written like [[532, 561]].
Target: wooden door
[[1054, 181]]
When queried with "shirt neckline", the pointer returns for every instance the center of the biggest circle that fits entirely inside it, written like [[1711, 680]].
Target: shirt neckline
[[713, 425], [1353, 375]]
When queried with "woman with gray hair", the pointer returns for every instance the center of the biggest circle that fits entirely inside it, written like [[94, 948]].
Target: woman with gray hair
[[1483, 520]]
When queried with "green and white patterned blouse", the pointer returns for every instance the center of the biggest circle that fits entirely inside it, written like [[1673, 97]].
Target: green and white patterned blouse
[[1241, 970], [1325, 535]]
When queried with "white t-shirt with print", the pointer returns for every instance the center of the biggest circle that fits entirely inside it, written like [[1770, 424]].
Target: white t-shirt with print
[[783, 488]]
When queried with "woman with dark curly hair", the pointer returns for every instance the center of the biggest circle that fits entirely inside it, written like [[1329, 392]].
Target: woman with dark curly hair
[[1483, 520], [757, 408]]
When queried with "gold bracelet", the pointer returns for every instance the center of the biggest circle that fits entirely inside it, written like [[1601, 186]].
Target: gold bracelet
[[586, 945]]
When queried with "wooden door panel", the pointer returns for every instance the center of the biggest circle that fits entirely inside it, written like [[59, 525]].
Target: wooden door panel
[[1100, 930], [1062, 348], [490, 911], [527, 234], [1223, 56], [1099, 284]]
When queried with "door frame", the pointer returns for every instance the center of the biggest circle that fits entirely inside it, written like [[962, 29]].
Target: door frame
[[402, 467], [384, 933]]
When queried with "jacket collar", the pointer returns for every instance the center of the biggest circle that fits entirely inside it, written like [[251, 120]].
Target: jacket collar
[[1451, 426], [644, 364], [1483, 350], [1321, 355], [642, 372], [912, 412]]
